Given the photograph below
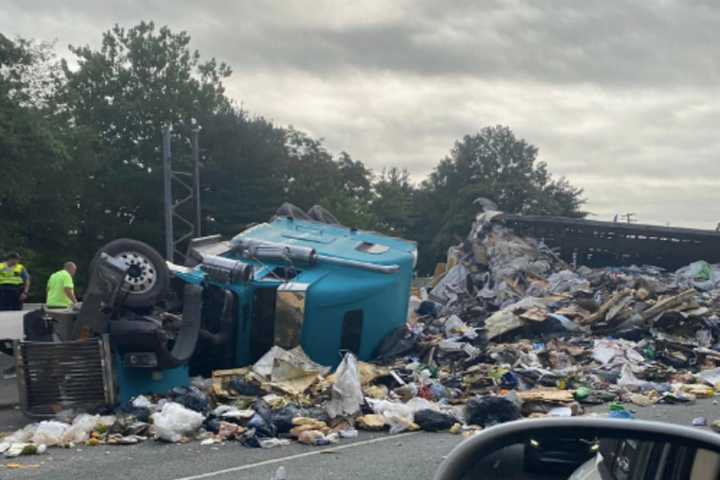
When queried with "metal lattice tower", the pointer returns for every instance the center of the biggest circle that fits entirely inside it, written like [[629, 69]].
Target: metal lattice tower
[[189, 192]]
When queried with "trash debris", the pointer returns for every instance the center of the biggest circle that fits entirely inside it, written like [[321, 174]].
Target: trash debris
[[174, 421], [434, 421], [699, 422], [371, 422], [280, 474], [347, 395], [50, 432], [505, 330], [715, 425], [273, 442], [617, 410], [489, 410]]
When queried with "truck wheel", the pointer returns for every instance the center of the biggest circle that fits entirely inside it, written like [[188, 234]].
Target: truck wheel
[[147, 276]]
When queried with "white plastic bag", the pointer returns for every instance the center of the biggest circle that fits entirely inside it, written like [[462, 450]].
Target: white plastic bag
[[346, 394], [273, 442], [50, 433], [174, 421], [22, 435], [80, 429], [141, 401], [399, 416]]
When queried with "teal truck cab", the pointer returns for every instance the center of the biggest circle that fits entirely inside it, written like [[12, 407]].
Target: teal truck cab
[[300, 279]]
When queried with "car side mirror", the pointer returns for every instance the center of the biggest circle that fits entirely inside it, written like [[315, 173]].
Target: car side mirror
[[585, 448]]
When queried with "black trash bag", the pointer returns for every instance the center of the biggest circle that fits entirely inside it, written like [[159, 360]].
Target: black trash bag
[[400, 341], [140, 413], [192, 398], [241, 387], [262, 420], [250, 439], [433, 421], [282, 419], [263, 409], [212, 424], [489, 410], [427, 307], [315, 412], [263, 428]]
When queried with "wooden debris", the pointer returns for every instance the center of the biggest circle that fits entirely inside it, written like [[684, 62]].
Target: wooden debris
[[667, 304], [544, 395]]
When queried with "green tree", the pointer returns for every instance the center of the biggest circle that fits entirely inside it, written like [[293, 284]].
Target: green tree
[[37, 194], [314, 177], [392, 205], [495, 164], [244, 174], [140, 79]]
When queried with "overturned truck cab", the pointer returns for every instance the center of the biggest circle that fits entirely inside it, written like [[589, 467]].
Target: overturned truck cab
[[297, 280]]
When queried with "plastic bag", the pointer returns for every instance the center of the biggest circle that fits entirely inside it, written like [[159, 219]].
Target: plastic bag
[[346, 394], [50, 433], [567, 281], [700, 275], [80, 429], [22, 435], [262, 420], [191, 397], [232, 414], [174, 421], [400, 416], [273, 442], [141, 401], [489, 410], [283, 418], [280, 474], [400, 341], [433, 421]]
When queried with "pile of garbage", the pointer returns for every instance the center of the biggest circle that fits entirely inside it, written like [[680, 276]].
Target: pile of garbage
[[283, 397], [508, 330], [508, 315]]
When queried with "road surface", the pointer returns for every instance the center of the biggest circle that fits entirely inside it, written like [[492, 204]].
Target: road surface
[[371, 456]]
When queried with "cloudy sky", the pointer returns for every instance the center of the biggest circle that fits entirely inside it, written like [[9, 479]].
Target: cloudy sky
[[621, 97]]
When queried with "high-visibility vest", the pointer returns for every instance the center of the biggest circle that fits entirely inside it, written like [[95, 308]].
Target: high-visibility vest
[[11, 275]]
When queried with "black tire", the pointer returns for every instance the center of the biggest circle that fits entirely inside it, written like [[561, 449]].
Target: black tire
[[149, 276]]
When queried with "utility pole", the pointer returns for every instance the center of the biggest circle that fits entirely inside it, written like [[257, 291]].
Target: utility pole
[[196, 179], [167, 193], [191, 190]]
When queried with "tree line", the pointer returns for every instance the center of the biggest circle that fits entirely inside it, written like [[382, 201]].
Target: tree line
[[81, 157]]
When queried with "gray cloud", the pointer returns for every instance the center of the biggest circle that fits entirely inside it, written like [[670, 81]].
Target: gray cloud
[[621, 97]]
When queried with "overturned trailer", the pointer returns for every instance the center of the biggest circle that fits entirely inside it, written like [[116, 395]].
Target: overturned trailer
[[600, 244], [146, 326]]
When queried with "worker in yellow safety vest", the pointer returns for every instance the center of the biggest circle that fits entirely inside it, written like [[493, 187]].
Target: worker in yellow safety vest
[[14, 283]]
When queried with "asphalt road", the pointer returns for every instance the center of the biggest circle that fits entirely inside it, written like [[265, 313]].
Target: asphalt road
[[371, 456]]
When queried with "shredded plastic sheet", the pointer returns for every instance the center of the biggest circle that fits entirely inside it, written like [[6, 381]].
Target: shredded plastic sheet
[[346, 393]]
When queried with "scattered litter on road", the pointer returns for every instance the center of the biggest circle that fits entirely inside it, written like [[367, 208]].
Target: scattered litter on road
[[509, 331], [699, 422]]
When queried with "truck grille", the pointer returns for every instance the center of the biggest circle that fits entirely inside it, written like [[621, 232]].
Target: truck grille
[[56, 376]]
